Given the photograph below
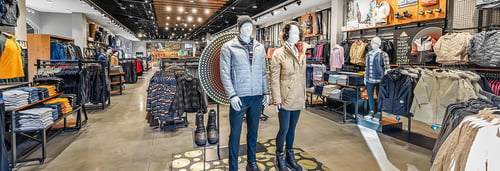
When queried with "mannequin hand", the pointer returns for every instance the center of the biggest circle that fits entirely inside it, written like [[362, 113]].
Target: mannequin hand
[[266, 100], [278, 107], [236, 103]]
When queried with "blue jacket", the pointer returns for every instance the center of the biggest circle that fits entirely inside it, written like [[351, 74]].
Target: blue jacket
[[57, 51], [239, 77], [375, 72]]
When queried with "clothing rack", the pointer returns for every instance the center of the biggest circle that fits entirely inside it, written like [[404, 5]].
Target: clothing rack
[[490, 96], [175, 62], [81, 63]]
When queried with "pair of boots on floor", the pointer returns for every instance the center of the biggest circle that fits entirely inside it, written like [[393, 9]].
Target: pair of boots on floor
[[201, 135], [286, 160]]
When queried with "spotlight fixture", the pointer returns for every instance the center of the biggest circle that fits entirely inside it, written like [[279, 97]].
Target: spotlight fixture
[[185, 25], [194, 10], [194, 25], [190, 19], [176, 24], [299, 2], [284, 8], [166, 24], [207, 11], [169, 8], [181, 9], [178, 18], [200, 19], [149, 12], [254, 6], [272, 13]]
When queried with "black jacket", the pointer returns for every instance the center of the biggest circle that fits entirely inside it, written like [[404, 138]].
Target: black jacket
[[189, 96], [395, 94]]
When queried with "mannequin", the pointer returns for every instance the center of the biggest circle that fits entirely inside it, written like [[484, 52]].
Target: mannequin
[[377, 63], [288, 80], [244, 76]]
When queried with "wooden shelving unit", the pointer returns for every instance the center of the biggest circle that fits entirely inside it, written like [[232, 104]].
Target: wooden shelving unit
[[39, 48], [120, 83]]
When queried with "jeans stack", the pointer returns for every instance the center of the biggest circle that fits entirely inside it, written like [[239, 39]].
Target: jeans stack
[[15, 99], [33, 93], [50, 88], [34, 119], [56, 110], [43, 93]]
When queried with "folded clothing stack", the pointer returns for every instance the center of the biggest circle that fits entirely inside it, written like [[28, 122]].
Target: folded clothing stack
[[15, 99], [71, 98], [66, 107], [33, 93], [51, 88], [55, 81], [43, 93], [33, 119], [56, 109]]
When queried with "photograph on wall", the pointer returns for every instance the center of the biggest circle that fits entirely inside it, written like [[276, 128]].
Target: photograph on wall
[[360, 11], [405, 3]]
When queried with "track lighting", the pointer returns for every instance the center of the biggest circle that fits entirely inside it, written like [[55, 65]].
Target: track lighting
[[284, 8], [299, 2]]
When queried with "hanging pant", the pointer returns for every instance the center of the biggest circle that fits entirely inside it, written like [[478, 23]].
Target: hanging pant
[[254, 105]]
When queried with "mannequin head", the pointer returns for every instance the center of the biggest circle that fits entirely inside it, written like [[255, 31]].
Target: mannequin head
[[375, 43], [245, 26], [292, 33]]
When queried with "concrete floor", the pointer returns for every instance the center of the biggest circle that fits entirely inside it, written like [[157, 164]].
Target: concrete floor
[[118, 138]]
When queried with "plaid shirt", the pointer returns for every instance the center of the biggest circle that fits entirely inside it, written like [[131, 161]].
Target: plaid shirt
[[249, 47]]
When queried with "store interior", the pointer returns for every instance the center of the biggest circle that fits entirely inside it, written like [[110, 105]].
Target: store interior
[[272, 85]]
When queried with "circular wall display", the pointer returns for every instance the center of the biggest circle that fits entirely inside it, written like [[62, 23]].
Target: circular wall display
[[209, 68]]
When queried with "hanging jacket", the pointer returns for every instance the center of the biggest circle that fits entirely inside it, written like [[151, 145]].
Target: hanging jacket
[[357, 53], [189, 96], [388, 46], [484, 49], [336, 58], [239, 77], [288, 77], [11, 63], [423, 50], [452, 48], [395, 95], [347, 49]]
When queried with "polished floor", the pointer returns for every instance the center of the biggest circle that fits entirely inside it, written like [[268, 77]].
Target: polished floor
[[118, 138]]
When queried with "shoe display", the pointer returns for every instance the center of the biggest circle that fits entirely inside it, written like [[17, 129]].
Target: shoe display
[[407, 14], [252, 167], [200, 136], [290, 160], [280, 162], [429, 11], [397, 15], [438, 10], [213, 134], [421, 12]]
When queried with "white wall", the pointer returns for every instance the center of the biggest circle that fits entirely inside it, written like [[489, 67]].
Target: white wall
[[138, 47], [20, 30], [77, 31], [56, 24], [34, 19]]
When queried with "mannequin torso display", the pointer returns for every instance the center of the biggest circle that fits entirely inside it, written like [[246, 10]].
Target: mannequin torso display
[[377, 62], [381, 12]]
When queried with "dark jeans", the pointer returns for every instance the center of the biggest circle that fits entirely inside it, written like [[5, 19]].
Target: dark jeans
[[254, 104], [370, 87], [288, 123], [4, 163]]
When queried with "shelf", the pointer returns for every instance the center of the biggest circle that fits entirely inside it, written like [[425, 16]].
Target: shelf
[[342, 85], [13, 85], [37, 102], [393, 25], [115, 74], [55, 122], [113, 83], [62, 38], [114, 91]]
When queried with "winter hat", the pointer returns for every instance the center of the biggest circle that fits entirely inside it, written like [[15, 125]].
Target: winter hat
[[244, 19]]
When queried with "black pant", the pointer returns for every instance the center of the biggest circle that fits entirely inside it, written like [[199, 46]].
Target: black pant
[[4, 163]]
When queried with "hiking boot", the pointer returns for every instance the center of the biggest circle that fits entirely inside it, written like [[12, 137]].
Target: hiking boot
[[213, 134], [290, 160], [200, 136]]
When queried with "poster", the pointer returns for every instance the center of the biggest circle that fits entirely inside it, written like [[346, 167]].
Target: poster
[[360, 11], [405, 3]]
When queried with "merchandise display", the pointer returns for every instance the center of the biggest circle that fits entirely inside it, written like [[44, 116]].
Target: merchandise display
[[395, 84]]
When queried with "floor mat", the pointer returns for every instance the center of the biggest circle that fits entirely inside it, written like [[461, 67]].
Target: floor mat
[[193, 160]]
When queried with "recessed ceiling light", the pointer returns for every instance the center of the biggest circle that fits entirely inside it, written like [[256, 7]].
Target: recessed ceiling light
[[167, 24], [207, 11], [176, 24], [199, 19], [181, 9], [190, 29], [168, 17], [169, 8], [166, 28], [149, 12], [50, 1], [182, 29], [194, 10], [190, 19], [178, 18], [185, 25], [194, 25]]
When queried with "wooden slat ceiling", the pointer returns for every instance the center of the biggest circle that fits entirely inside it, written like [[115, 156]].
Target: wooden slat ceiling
[[185, 13]]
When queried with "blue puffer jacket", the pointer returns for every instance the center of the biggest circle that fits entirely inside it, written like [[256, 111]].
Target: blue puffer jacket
[[57, 51], [239, 77]]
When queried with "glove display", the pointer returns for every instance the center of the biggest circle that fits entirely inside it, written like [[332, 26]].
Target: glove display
[[236, 103]]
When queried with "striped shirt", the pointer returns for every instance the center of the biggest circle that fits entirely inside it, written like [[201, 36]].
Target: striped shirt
[[249, 47]]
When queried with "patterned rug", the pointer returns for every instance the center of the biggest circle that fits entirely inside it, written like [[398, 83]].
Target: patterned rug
[[193, 160]]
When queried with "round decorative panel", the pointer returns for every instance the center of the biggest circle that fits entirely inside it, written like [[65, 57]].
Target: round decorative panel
[[209, 68]]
